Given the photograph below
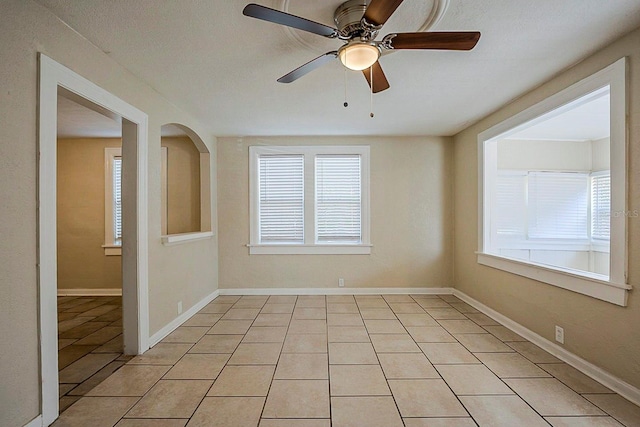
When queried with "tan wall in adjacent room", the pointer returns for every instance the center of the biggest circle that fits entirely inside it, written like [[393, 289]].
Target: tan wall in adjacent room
[[82, 263], [183, 181], [411, 225], [604, 334]]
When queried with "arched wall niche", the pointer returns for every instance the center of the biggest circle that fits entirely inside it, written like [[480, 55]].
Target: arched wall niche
[[185, 186]]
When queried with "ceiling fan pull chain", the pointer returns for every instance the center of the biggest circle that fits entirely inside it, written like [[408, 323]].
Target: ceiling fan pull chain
[[371, 91], [346, 104]]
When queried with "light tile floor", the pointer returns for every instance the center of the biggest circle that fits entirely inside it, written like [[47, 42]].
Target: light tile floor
[[342, 361], [89, 344]]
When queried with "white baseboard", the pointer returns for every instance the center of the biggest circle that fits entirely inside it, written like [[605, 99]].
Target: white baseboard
[[36, 422], [105, 292], [337, 291], [621, 387], [171, 326]]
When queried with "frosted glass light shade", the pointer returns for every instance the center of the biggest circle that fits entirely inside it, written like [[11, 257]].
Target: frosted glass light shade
[[359, 56]]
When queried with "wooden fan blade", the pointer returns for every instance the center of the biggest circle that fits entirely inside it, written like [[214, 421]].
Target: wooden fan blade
[[380, 82], [462, 40], [379, 11], [308, 67], [271, 15]]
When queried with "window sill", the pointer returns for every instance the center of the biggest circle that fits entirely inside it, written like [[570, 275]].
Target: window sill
[[310, 249], [178, 239], [593, 285], [112, 250]]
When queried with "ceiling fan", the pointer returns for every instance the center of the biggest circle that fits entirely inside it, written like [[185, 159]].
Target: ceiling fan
[[358, 25]]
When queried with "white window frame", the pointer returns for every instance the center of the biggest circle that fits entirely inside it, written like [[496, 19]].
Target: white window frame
[[615, 289], [111, 246], [309, 246]]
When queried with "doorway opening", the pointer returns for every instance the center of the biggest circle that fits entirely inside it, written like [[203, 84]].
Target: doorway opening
[[55, 80], [89, 236]]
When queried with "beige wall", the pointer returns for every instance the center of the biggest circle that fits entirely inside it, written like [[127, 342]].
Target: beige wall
[[411, 226], [183, 183], [544, 155], [184, 273], [600, 154], [82, 263], [602, 333], [584, 156]]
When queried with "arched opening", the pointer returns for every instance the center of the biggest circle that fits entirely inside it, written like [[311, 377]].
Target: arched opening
[[185, 184]]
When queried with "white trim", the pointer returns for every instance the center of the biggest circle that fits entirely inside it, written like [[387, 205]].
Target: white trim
[[171, 326], [54, 77], [164, 189], [176, 239], [36, 422], [104, 292], [338, 291], [616, 384], [615, 78], [319, 249], [615, 293]]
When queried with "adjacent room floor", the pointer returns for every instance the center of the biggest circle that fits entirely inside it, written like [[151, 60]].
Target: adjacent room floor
[[89, 344], [316, 361]]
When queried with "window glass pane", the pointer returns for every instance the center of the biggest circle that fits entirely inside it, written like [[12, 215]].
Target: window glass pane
[[281, 198], [558, 205], [600, 206], [338, 199], [117, 200], [511, 206]]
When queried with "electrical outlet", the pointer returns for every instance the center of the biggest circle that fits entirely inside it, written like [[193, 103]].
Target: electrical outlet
[[341, 282], [179, 307], [560, 334]]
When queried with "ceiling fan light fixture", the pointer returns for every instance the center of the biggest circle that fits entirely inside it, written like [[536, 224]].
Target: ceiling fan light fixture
[[359, 55]]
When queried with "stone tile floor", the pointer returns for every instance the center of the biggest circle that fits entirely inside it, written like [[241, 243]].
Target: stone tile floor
[[316, 361], [89, 344]]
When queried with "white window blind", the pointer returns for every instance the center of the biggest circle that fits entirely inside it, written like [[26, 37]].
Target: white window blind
[[117, 200], [281, 198], [558, 205], [338, 199], [510, 213], [601, 206]]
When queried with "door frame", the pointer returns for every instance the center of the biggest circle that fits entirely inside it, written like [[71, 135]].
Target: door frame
[[54, 77]]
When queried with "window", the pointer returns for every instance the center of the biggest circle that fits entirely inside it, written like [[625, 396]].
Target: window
[[558, 205], [552, 189], [281, 204], [542, 206], [309, 200], [113, 201], [601, 205], [338, 199]]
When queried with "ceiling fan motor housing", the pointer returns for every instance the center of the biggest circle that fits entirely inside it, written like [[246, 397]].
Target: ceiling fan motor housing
[[348, 19]]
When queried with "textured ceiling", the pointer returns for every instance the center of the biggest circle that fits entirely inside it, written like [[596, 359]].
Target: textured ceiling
[[222, 66], [587, 121]]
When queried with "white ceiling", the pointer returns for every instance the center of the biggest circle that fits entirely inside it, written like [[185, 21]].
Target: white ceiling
[[586, 122], [78, 121], [222, 66]]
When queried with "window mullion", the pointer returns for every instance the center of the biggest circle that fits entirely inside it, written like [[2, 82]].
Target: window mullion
[[309, 199]]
